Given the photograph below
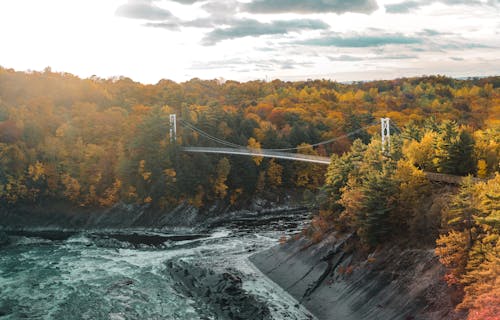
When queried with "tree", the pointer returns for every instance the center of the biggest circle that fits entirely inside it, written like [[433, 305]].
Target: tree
[[482, 168], [454, 150], [274, 174], [72, 188], [463, 209], [451, 249], [421, 153], [412, 211], [255, 145], [374, 223], [223, 169], [307, 175]]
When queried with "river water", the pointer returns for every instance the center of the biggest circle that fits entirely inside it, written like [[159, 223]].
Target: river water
[[125, 275]]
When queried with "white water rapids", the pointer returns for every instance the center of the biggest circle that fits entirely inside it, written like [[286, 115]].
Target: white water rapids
[[89, 276]]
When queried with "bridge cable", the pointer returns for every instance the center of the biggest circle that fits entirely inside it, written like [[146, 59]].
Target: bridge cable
[[323, 142], [208, 136], [233, 145]]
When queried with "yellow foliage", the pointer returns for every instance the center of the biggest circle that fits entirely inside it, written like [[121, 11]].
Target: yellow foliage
[[14, 189], [235, 195], [223, 169], [131, 193], [421, 153], [274, 174], [72, 187], [482, 168], [111, 194], [451, 249], [146, 175], [167, 109], [197, 201], [170, 172], [360, 94], [61, 130], [36, 171], [141, 109], [255, 146]]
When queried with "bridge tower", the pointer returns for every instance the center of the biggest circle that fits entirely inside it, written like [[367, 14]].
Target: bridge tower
[[173, 128], [386, 134]]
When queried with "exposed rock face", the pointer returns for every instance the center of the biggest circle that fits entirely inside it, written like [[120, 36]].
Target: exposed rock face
[[4, 239], [63, 215], [222, 292], [392, 283]]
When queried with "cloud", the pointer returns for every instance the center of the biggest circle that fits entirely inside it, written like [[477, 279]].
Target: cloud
[[410, 5], [402, 7], [361, 41], [466, 45], [397, 57], [350, 58], [142, 9], [311, 6], [246, 65], [347, 58], [221, 8], [431, 33], [172, 25], [187, 1], [250, 27]]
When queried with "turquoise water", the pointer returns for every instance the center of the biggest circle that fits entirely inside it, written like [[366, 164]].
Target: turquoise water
[[90, 277]]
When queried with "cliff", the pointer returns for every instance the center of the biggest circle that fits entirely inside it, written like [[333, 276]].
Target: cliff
[[335, 282]]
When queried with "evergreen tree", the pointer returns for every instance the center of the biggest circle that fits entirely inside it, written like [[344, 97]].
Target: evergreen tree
[[454, 150], [374, 225], [463, 208]]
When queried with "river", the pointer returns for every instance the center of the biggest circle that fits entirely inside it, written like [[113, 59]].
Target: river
[[138, 274]]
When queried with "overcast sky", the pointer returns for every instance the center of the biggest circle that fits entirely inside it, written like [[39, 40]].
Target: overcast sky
[[149, 40]]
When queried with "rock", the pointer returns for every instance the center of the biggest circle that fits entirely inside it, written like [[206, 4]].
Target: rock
[[222, 291], [121, 284], [394, 283], [4, 239]]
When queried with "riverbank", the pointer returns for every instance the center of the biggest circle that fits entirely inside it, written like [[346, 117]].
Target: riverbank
[[336, 282], [59, 215]]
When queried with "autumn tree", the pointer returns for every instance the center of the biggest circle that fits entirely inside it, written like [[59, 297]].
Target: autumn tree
[[274, 174], [222, 171]]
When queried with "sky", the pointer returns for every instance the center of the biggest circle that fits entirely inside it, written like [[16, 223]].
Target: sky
[[150, 40]]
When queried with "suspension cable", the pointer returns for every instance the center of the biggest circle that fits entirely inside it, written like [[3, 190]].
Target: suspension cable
[[208, 136], [233, 145], [323, 142]]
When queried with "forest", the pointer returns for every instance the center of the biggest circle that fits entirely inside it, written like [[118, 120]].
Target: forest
[[98, 142]]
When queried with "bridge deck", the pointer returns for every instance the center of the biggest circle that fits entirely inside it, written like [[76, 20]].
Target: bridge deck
[[261, 153], [436, 177]]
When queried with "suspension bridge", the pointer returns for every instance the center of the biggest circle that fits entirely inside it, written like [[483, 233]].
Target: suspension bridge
[[287, 154], [280, 153]]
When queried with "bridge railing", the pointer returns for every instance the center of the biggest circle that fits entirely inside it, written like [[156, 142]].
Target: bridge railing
[[261, 153]]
